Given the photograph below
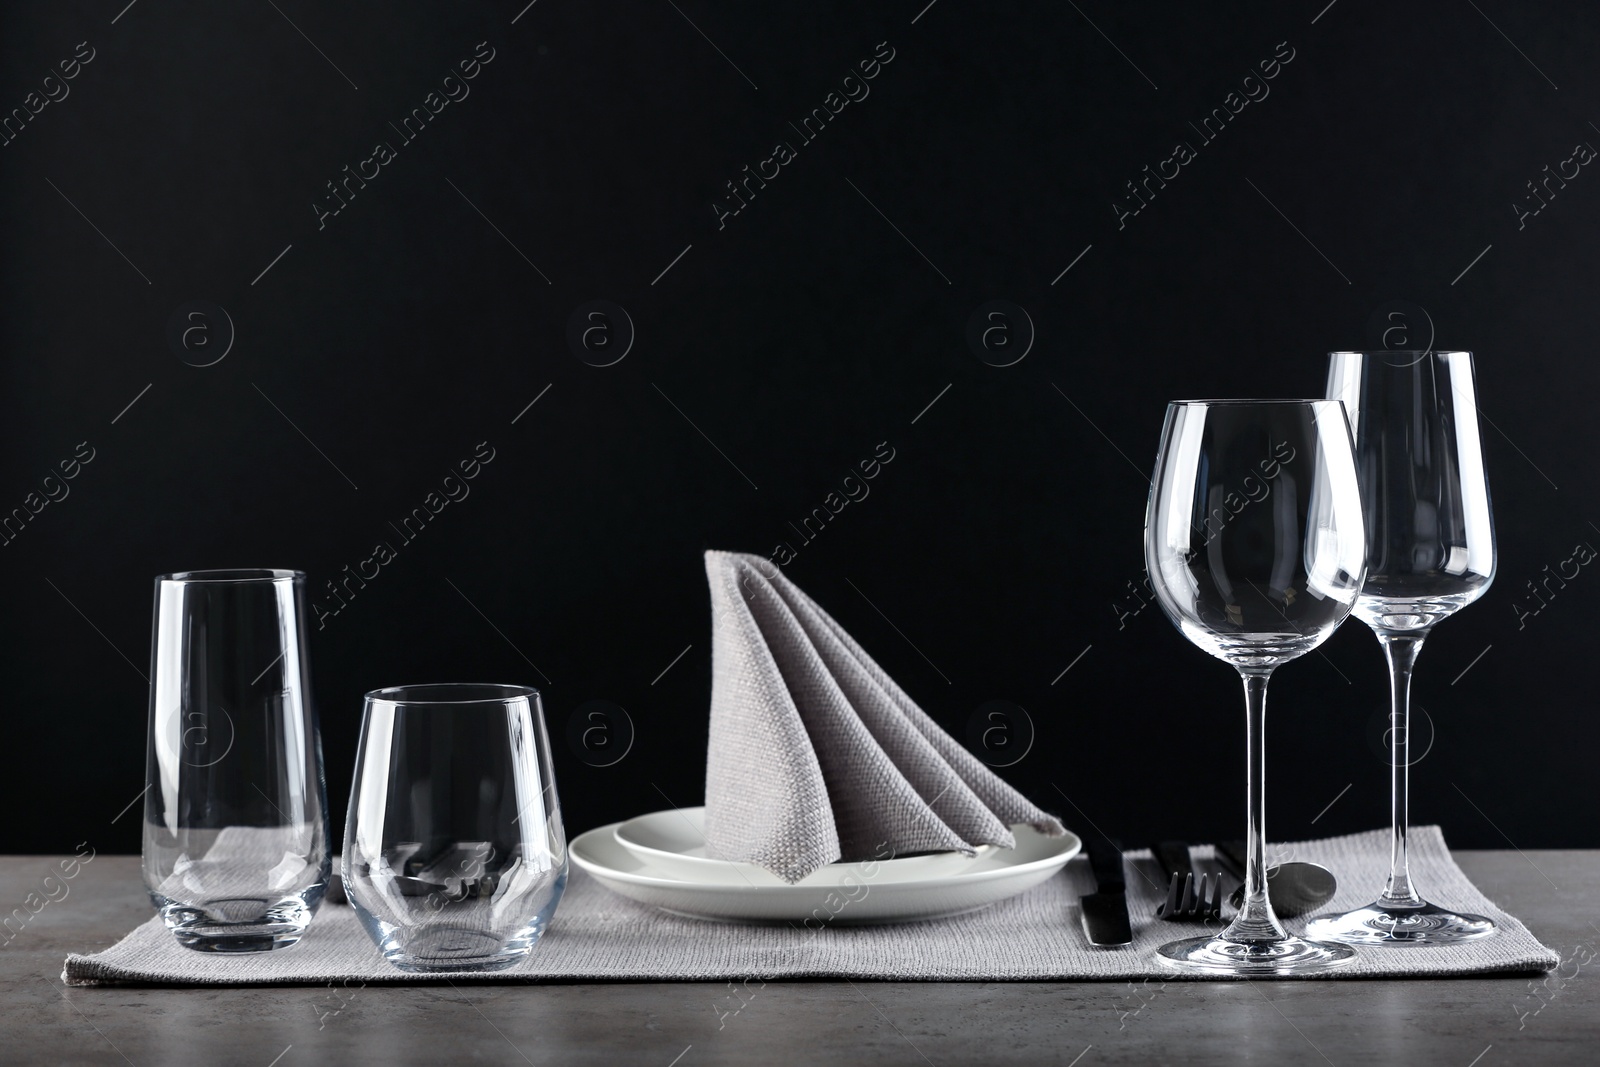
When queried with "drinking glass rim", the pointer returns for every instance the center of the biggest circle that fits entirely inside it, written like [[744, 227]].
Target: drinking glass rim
[[1251, 402], [446, 693], [234, 575], [1401, 352]]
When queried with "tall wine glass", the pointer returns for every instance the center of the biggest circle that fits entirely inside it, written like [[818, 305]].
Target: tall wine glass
[[1414, 416], [1256, 550]]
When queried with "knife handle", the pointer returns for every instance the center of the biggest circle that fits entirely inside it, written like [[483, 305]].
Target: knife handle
[[1233, 857], [1105, 860]]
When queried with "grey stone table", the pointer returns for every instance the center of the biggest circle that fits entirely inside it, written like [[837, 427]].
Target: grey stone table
[[1457, 1022]]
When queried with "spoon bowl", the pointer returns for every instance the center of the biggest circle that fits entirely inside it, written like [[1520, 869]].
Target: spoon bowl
[[1295, 888]]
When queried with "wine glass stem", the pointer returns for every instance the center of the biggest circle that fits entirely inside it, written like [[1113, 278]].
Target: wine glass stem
[[1255, 921], [1400, 649]]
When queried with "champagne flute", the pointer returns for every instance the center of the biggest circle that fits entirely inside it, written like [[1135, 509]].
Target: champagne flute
[[1256, 550], [1414, 416]]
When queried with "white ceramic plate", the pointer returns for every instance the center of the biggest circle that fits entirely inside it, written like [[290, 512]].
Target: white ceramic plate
[[853, 898], [674, 844]]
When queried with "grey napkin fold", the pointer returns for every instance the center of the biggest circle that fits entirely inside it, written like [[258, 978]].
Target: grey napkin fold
[[816, 755]]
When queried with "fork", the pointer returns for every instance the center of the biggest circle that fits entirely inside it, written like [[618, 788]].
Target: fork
[[1188, 899]]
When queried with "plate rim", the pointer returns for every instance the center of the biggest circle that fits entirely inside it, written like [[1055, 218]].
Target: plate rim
[[1071, 843], [711, 863]]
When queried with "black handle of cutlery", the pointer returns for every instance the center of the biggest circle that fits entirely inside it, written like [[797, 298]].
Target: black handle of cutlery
[[1173, 857], [1105, 860], [1233, 857]]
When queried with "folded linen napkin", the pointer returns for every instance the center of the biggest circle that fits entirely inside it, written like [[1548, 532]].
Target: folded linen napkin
[[816, 755]]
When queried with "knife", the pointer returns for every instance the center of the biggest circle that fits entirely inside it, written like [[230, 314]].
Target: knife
[[1105, 911]]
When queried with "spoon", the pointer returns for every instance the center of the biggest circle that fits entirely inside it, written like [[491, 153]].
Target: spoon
[[1296, 887]]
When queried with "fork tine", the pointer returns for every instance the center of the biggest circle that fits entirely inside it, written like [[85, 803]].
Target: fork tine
[[1191, 896], [1169, 910]]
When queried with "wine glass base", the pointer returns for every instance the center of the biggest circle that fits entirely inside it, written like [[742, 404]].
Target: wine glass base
[[1379, 924], [1290, 957]]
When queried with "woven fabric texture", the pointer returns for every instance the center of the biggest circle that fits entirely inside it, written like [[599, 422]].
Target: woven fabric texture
[[816, 755], [1036, 936]]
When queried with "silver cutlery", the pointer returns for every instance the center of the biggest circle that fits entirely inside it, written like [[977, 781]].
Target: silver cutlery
[[1105, 911], [1296, 887], [1189, 899]]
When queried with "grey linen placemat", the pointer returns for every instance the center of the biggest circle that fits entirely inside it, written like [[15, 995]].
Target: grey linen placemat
[[1037, 936]]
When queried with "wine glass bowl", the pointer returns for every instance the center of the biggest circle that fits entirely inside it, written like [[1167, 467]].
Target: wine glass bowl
[[1256, 550], [1248, 554], [1419, 458]]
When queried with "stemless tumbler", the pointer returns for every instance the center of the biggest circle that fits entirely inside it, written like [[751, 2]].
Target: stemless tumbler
[[454, 852], [236, 854]]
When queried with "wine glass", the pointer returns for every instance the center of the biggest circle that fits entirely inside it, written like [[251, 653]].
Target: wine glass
[[1256, 550], [236, 853], [1414, 416], [454, 852]]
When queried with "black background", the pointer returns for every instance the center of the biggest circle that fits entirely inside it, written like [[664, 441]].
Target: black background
[[997, 545]]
